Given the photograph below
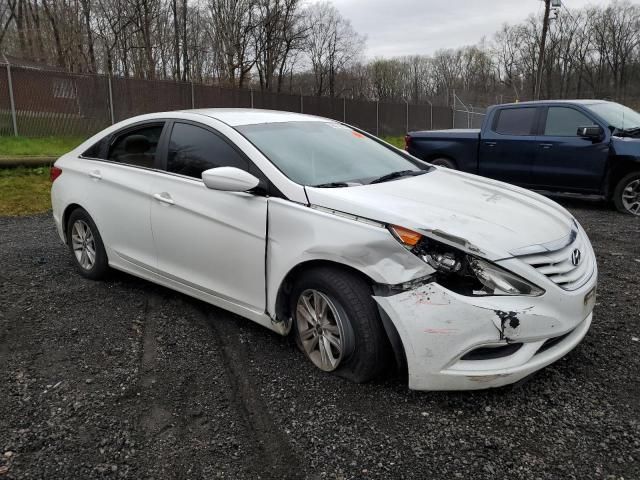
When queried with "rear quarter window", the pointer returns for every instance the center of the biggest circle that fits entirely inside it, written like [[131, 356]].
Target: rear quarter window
[[515, 121]]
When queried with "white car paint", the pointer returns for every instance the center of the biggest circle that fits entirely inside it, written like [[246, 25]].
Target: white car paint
[[235, 249]]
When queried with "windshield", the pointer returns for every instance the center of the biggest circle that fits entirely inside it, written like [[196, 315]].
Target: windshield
[[325, 153], [616, 115]]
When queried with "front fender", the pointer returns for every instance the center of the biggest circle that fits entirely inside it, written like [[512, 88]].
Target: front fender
[[299, 234]]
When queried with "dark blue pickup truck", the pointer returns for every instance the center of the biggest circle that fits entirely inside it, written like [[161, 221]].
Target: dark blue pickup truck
[[575, 146]]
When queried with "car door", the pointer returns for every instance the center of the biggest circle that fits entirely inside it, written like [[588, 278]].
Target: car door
[[120, 171], [564, 161], [211, 240], [508, 145]]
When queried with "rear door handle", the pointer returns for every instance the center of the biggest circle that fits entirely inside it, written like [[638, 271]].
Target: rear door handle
[[164, 197], [490, 144], [546, 145], [95, 174]]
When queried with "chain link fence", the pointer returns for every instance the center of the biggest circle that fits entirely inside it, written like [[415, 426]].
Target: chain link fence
[[467, 116], [36, 102]]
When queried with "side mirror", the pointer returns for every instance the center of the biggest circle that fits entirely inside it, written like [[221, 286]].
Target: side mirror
[[593, 132], [229, 179]]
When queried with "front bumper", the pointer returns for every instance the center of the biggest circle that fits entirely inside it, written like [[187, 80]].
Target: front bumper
[[438, 328]]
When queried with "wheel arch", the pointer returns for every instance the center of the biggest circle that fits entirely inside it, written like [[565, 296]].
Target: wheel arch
[[618, 170], [434, 156], [69, 209], [283, 297]]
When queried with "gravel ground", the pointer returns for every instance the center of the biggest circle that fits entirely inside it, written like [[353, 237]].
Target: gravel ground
[[125, 379]]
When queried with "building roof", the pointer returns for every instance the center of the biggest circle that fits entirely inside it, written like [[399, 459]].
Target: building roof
[[27, 63]]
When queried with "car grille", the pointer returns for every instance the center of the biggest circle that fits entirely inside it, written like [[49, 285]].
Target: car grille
[[559, 265]]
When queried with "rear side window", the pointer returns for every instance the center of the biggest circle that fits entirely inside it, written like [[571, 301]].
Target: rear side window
[[192, 150], [137, 146], [564, 122], [97, 150], [515, 121]]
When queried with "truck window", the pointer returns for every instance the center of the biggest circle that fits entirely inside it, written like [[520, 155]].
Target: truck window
[[515, 121], [564, 122]]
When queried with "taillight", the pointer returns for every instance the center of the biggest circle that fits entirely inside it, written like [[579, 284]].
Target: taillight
[[54, 173], [407, 142]]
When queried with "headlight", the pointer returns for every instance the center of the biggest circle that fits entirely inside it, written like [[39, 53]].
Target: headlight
[[463, 273]]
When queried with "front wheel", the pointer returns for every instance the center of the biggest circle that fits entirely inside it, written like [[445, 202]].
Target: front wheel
[[337, 326], [626, 196]]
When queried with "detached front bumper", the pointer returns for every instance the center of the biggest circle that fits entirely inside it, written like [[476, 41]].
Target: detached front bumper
[[454, 342]]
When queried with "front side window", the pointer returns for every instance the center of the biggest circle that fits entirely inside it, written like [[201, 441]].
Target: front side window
[[515, 121], [137, 146], [325, 153], [565, 121], [192, 150]]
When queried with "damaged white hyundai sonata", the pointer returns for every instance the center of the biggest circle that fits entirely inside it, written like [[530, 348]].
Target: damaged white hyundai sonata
[[366, 254]]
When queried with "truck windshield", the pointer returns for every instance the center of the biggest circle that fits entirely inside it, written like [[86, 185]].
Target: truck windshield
[[616, 115], [328, 154]]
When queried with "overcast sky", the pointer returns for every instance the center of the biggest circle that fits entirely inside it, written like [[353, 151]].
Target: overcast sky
[[407, 27]]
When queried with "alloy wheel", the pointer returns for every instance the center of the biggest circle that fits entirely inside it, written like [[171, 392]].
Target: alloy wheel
[[320, 328], [83, 244], [631, 197]]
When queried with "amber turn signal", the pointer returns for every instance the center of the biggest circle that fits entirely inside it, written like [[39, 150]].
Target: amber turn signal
[[406, 236]]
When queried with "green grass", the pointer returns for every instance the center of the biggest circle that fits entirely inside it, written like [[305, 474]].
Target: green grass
[[395, 141], [40, 146], [24, 191]]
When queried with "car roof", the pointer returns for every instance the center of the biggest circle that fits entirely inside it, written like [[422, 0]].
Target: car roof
[[249, 116]]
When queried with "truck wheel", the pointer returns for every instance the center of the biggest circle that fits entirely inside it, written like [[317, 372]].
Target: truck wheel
[[626, 196], [337, 325], [444, 162]]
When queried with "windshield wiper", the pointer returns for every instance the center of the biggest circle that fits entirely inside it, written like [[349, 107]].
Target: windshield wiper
[[632, 131], [399, 174], [331, 185]]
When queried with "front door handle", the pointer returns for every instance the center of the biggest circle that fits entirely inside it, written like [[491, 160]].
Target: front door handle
[[95, 174], [546, 145], [490, 144], [164, 197]]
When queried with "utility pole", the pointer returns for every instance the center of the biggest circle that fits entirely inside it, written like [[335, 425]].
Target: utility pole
[[543, 41]]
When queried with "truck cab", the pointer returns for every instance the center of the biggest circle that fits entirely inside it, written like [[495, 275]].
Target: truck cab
[[580, 147]]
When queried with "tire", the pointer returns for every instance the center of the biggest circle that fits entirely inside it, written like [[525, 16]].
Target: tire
[[626, 195], [365, 350], [80, 223], [444, 162]]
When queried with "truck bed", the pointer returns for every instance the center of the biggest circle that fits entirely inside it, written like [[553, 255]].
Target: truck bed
[[458, 144]]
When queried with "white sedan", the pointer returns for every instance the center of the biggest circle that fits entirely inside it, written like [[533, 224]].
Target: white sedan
[[308, 226]]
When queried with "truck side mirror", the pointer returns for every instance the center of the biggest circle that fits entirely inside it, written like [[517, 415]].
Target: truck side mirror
[[593, 132]]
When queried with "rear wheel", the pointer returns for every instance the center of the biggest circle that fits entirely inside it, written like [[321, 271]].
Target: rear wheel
[[444, 162], [85, 243], [626, 195], [337, 326]]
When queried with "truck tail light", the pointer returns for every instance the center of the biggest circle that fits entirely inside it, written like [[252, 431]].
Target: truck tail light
[[407, 142], [54, 173]]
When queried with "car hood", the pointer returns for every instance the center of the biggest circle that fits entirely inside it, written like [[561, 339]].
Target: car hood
[[472, 212]]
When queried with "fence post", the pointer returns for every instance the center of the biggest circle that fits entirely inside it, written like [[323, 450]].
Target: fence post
[[11, 99], [407, 130], [453, 121], [113, 117], [301, 102], [193, 102], [430, 114], [344, 110], [377, 118], [251, 91]]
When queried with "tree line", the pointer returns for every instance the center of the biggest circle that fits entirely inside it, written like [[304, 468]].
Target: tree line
[[293, 47]]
